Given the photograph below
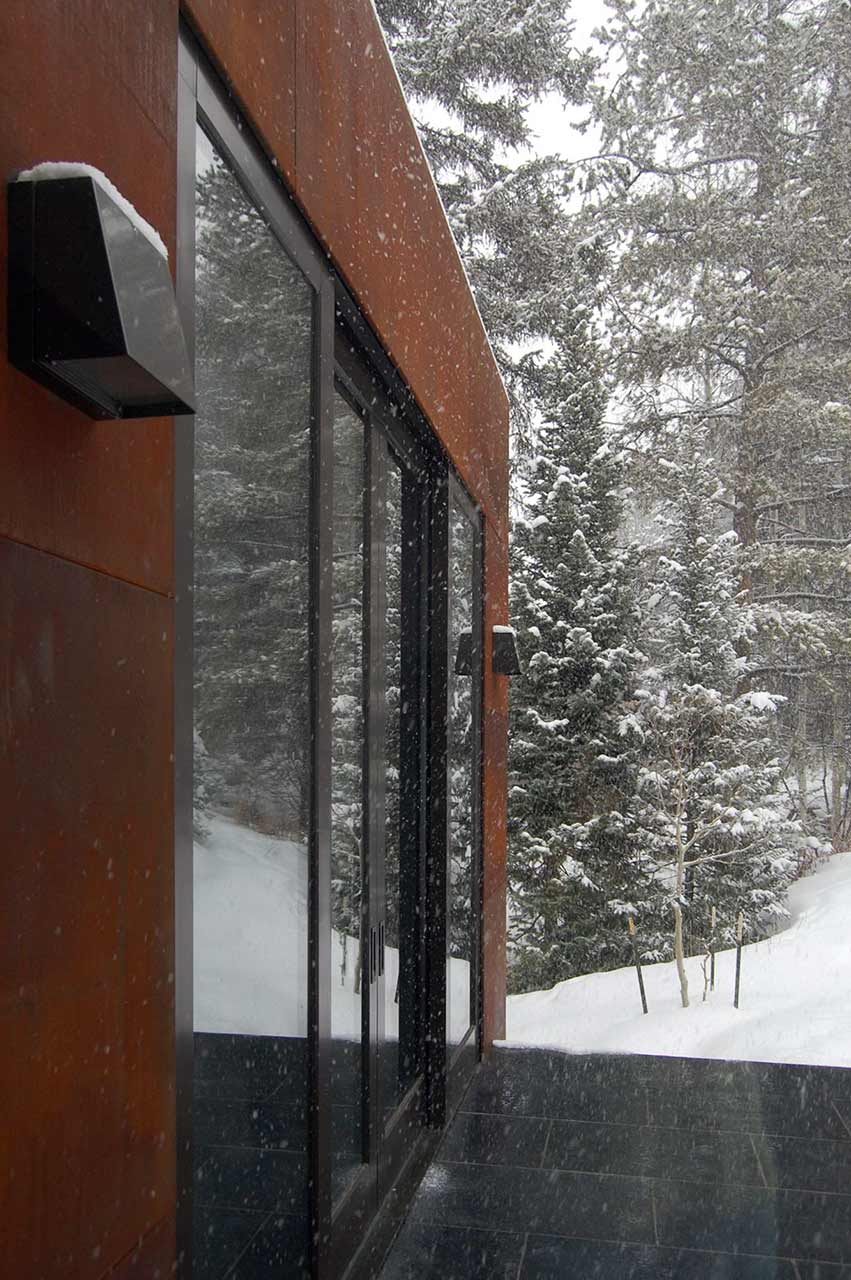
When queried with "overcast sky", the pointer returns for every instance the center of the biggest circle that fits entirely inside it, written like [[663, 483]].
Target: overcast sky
[[551, 123]]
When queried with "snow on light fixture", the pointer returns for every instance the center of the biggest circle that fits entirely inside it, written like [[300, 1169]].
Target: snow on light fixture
[[505, 661], [92, 311]]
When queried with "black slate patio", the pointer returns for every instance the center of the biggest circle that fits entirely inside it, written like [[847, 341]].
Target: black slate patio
[[628, 1167]]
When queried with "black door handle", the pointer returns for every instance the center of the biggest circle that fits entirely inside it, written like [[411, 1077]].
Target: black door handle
[[373, 955], [381, 949]]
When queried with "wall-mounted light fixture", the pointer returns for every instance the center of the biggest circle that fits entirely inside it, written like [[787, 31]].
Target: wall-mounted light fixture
[[92, 311], [506, 661]]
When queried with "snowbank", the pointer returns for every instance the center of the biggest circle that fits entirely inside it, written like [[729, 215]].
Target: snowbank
[[794, 1004]]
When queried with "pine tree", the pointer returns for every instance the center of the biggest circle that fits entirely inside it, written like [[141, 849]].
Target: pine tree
[[575, 870], [712, 815], [471, 69], [723, 193]]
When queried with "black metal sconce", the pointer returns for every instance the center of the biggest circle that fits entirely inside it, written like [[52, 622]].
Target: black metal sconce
[[92, 311], [506, 661]]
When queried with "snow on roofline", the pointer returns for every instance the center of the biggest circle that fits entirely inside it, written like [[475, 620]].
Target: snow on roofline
[[71, 169]]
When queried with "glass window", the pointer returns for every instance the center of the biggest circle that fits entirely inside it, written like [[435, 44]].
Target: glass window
[[462, 750], [347, 852], [252, 731]]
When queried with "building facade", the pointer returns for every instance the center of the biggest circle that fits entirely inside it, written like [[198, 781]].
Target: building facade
[[252, 749]]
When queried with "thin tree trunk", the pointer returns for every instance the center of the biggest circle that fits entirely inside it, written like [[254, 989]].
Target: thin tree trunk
[[801, 751], [678, 953], [837, 772]]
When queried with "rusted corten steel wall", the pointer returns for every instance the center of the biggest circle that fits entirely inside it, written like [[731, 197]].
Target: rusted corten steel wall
[[87, 1187], [87, 1160], [315, 79]]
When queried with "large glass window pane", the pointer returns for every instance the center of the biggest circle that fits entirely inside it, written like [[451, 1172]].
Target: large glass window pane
[[347, 868], [402, 765], [463, 650], [394, 1073], [252, 733]]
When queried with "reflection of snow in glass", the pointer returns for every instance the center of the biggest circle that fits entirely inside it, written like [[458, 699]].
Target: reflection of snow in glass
[[250, 948], [251, 945]]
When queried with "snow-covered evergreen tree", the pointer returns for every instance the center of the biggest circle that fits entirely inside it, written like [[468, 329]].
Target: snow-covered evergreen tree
[[724, 194], [471, 69], [575, 869], [714, 820]]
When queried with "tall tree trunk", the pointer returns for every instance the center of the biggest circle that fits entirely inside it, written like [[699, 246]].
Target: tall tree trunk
[[678, 953], [801, 750], [837, 771]]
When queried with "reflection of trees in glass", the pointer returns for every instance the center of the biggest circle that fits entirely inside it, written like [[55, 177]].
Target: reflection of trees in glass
[[347, 687], [253, 359], [393, 681], [460, 744]]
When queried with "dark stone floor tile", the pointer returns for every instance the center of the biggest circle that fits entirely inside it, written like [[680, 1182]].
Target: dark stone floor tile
[[815, 1226], [655, 1153], [843, 1108], [219, 1236], [545, 1201], [552, 1259], [252, 1066], [822, 1271], [789, 1224], [710, 1109], [500, 1094], [247, 1178], [244, 1123], [451, 1253], [805, 1164], [490, 1139], [724, 1219], [550, 1072], [279, 1251], [577, 1100], [234, 1088]]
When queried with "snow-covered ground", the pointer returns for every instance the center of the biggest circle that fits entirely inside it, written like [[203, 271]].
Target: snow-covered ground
[[250, 943], [795, 1002]]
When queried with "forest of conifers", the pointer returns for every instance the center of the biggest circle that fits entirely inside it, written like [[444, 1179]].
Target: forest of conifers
[[669, 300]]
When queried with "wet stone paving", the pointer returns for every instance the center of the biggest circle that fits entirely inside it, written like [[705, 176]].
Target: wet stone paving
[[631, 1167]]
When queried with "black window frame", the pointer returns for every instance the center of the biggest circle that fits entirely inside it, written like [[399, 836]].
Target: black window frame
[[203, 99]]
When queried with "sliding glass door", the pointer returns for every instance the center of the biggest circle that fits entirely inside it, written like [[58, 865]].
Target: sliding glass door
[[378, 855], [332, 578], [252, 734]]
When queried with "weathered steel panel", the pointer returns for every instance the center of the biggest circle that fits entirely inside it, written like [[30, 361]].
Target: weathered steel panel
[[86, 951], [254, 47]]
